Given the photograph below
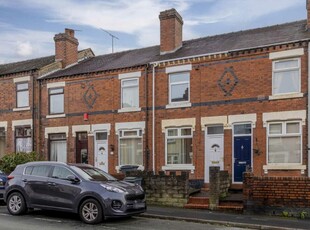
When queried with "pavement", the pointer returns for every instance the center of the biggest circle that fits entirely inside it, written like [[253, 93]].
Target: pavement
[[226, 219]]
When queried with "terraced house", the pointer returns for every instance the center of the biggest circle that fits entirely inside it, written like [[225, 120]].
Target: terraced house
[[236, 100], [19, 97]]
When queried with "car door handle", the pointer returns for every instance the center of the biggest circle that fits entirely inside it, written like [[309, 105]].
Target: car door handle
[[25, 180], [51, 184]]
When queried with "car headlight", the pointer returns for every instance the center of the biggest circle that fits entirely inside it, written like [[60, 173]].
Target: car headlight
[[112, 189]]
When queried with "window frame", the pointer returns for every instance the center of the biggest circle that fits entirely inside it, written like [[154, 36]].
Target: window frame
[[130, 86], [274, 71], [55, 94], [24, 135], [284, 134], [179, 83], [178, 136], [56, 137], [122, 135], [21, 91]]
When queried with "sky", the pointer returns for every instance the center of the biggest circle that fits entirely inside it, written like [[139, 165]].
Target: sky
[[27, 27]]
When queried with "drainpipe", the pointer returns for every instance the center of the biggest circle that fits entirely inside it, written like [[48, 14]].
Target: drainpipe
[[147, 151], [33, 113], [153, 115], [308, 118]]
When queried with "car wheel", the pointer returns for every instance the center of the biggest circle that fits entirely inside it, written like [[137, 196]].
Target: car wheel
[[91, 211], [16, 204]]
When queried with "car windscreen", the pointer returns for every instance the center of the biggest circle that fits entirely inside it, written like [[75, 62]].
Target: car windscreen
[[93, 174]]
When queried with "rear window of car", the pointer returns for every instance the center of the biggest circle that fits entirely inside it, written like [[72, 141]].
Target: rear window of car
[[38, 170], [93, 174]]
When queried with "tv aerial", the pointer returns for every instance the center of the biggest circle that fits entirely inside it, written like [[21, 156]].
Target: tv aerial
[[112, 38]]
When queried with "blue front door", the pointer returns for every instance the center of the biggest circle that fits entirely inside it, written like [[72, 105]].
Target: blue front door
[[242, 152]]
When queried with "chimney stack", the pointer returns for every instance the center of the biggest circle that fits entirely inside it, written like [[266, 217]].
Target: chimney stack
[[66, 48], [171, 24]]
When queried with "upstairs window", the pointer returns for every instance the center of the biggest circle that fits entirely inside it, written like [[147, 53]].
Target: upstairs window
[[130, 93], [179, 86], [56, 100], [22, 95], [286, 76]]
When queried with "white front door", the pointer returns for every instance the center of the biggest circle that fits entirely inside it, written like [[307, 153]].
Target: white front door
[[214, 148], [101, 150]]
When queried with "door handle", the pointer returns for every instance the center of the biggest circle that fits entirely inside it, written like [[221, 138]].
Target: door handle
[[51, 184], [25, 180]]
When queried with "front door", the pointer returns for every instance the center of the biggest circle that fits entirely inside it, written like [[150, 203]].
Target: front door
[[82, 148], [214, 148], [101, 150], [242, 150]]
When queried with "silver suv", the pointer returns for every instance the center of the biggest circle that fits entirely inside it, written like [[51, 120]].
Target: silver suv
[[77, 188]]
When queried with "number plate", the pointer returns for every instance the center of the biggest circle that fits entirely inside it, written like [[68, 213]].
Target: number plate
[[139, 205]]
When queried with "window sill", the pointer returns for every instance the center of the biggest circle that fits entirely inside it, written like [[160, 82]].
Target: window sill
[[286, 96], [179, 105], [300, 167], [178, 167], [127, 110], [55, 116], [21, 109]]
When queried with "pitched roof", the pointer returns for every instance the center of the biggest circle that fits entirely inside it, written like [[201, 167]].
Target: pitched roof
[[241, 40], [29, 65], [24, 66]]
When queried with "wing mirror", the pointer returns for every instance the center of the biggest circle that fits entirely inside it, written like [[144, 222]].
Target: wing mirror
[[73, 179]]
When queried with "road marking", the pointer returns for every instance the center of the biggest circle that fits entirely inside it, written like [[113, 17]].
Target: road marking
[[50, 220]]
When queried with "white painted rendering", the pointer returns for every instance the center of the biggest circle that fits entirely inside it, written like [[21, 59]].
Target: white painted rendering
[[21, 123], [129, 75], [21, 79], [178, 123], [80, 128], [242, 118], [178, 105], [60, 129], [129, 109], [181, 68], [130, 125], [216, 120], [4, 124], [55, 116], [284, 116], [21, 109], [101, 127], [287, 53], [56, 84], [286, 96]]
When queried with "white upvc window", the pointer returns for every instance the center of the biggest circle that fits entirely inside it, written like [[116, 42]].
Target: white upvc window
[[22, 94], [286, 76], [179, 146], [56, 100], [179, 87], [130, 147], [130, 93], [284, 143]]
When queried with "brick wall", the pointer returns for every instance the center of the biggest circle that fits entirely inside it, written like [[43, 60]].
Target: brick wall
[[276, 195], [162, 189]]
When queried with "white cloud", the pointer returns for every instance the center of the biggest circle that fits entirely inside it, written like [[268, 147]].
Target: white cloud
[[24, 49]]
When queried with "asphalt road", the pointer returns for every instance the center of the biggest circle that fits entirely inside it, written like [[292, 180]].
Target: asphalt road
[[47, 220]]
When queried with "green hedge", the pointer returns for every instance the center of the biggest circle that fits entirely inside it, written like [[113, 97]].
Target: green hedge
[[9, 162]]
